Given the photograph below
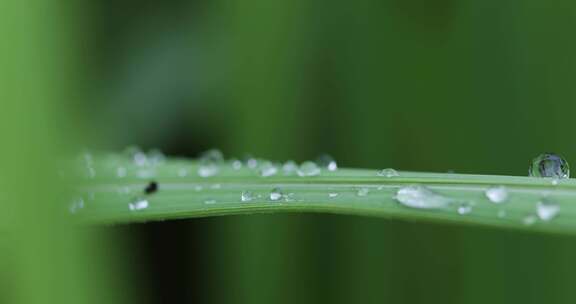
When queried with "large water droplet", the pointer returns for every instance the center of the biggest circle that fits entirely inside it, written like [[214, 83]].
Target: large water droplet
[[389, 172], [247, 196], [549, 165], [138, 204], [327, 162], [421, 197], [267, 169], [276, 194], [308, 168], [497, 195], [547, 209]]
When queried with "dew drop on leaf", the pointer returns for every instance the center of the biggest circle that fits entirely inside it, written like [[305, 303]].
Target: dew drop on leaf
[[308, 168], [547, 209], [327, 162], [247, 196], [388, 172], [420, 197], [138, 204], [362, 192], [497, 194], [276, 194], [549, 165]]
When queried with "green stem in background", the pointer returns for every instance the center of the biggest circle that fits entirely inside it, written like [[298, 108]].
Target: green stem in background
[[183, 194]]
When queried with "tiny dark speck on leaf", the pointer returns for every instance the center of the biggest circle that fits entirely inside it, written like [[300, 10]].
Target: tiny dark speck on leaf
[[151, 188]]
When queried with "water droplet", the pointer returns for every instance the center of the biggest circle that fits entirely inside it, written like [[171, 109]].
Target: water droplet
[[236, 164], [555, 181], [389, 172], [211, 156], [198, 188], [529, 220], [464, 208], [547, 209], [332, 194], [497, 194], [216, 186], [208, 170], [210, 202], [121, 172], [549, 165], [421, 197], [308, 168], [327, 162], [75, 205], [276, 194], [267, 169], [289, 167], [251, 162], [362, 192], [247, 196], [138, 204], [156, 157]]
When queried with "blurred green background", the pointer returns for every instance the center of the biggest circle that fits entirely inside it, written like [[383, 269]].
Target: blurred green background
[[471, 86]]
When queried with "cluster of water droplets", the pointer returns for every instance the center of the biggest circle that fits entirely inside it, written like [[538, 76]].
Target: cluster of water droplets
[[212, 163]]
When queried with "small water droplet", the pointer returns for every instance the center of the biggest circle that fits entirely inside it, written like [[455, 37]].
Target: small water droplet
[[555, 181], [138, 204], [208, 170], [421, 197], [549, 165], [267, 169], [121, 172], [76, 205], [308, 168], [247, 196], [236, 164], [276, 194], [529, 220], [501, 213], [210, 202], [251, 162], [497, 194], [326, 161], [198, 188], [362, 192], [464, 208], [388, 172], [547, 209], [216, 186], [156, 157], [332, 194], [211, 156], [289, 167]]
